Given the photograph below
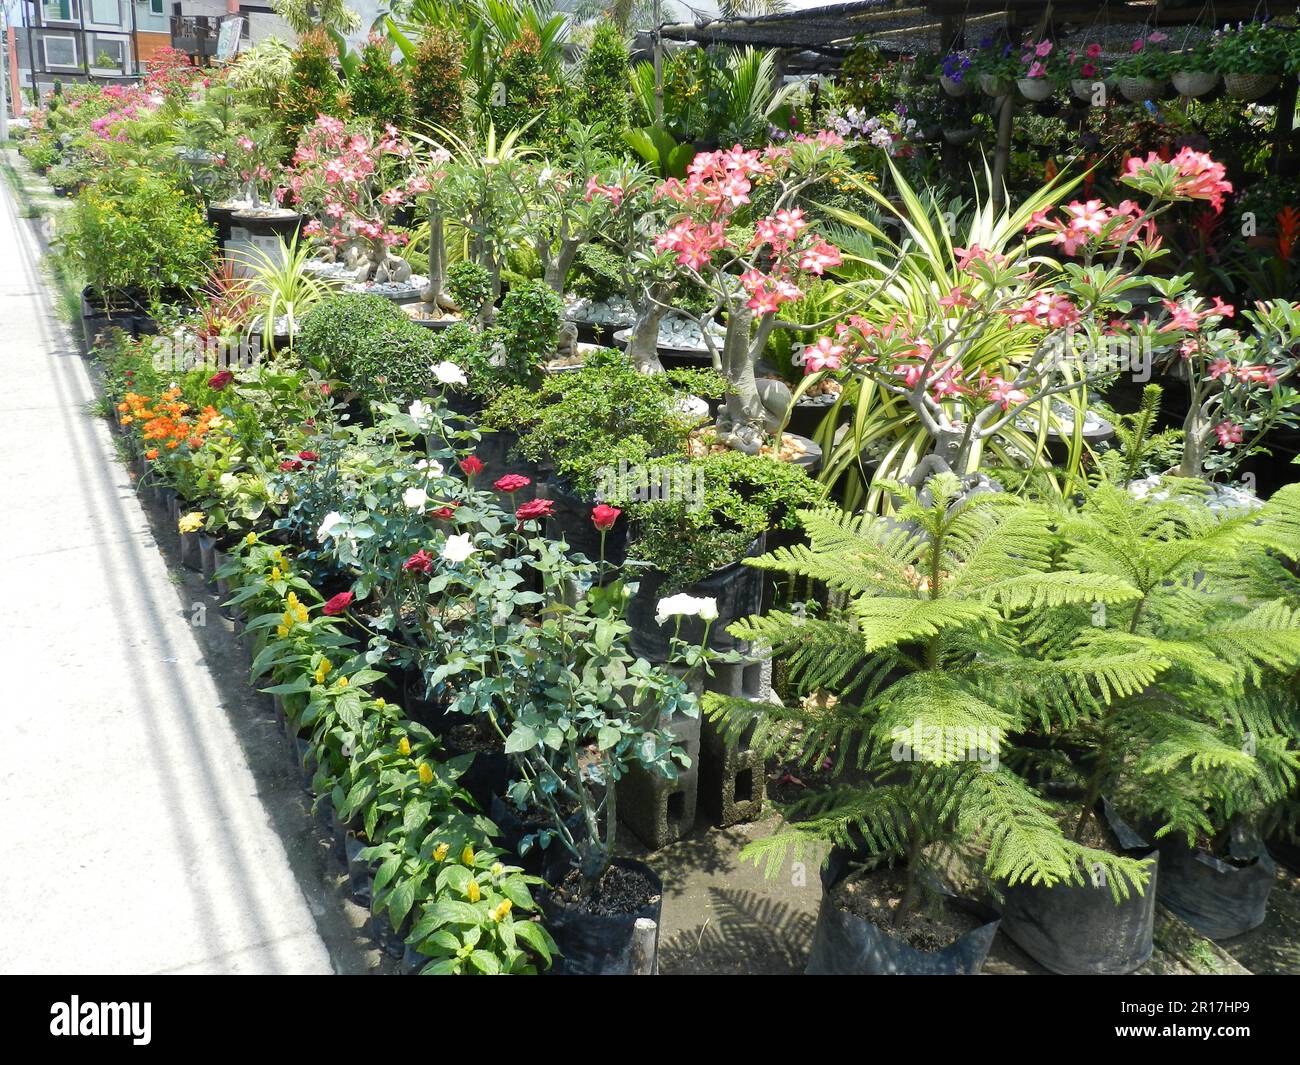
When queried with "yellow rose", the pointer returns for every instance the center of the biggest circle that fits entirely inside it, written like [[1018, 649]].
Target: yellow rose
[[404, 746], [426, 774]]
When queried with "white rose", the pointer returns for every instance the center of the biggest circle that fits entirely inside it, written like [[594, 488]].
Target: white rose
[[415, 498], [430, 468], [708, 609], [458, 547], [680, 605], [419, 410], [450, 374], [331, 519]]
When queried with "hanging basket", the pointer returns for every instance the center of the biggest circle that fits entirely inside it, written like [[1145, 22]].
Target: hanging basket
[[960, 136], [1195, 82], [1136, 90], [953, 87], [1083, 88], [991, 85], [1035, 88], [1249, 86]]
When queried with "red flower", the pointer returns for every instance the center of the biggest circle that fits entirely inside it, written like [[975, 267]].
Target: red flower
[[338, 604], [308, 456], [444, 513], [420, 562], [472, 465], [219, 380], [290, 465], [536, 508], [603, 516], [512, 482]]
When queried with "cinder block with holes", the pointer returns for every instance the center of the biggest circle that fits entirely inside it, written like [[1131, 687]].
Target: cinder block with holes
[[660, 811], [732, 777]]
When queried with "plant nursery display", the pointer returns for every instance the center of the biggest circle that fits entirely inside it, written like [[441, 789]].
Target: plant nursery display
[[643, 468]]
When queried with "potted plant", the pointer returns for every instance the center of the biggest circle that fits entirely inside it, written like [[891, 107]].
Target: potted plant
[[996, 68], [924, 675], [1251, 58], [353, 181], [1144, 72], [1195, 757], [1193, 70], [953, 73], [1083, 70], [1035, 81], [693, 525]]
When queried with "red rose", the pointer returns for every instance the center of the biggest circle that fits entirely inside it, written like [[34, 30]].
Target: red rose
[[472, 465], [444, 513], [536, 508], [420, 562], [603, 516], [219, 380], [290, 465], [338, 604], [308, 456], [512, 482]]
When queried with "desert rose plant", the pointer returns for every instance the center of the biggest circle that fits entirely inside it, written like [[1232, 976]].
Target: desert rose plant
[[980, 342], [354, 181], [751, 266]]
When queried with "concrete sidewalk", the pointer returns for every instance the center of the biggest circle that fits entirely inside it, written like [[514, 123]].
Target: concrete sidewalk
[[135, 838]]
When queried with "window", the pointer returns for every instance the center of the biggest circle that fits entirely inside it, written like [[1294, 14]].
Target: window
[[105, 13], [108, 53], [60, 51], [59, 11], [156, 6]]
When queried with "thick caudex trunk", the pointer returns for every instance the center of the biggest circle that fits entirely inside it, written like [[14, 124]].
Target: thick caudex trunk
[[741, 418], [643, 344]]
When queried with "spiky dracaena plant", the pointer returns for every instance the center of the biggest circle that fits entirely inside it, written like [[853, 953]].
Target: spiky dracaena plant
[[1215, 739], [926, 656]]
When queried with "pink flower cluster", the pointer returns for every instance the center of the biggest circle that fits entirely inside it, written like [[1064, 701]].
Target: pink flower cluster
[[1196, 176], [614, 192], [354, 180], [716, 185], [1091, 223]]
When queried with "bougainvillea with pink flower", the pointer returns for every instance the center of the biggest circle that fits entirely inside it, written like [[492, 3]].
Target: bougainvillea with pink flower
[[353, 181]]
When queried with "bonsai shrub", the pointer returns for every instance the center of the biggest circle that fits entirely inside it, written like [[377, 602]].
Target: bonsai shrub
[[137, 239], [376, 88], [740, 497], [530, 316], [593, 418], [470, 286], [432, 75], [371, 345], [921, 678]]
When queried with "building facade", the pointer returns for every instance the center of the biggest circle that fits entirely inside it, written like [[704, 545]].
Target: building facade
[[84, 40]]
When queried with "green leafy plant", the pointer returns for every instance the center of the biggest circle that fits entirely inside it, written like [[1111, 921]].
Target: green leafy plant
[[932, 678], [374, 347]]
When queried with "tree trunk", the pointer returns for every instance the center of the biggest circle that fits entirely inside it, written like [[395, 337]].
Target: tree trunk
[[643, 344], [557, 268], [740, 421]]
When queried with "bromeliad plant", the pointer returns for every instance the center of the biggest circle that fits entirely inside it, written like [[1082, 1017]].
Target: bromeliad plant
[[923, 678]]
